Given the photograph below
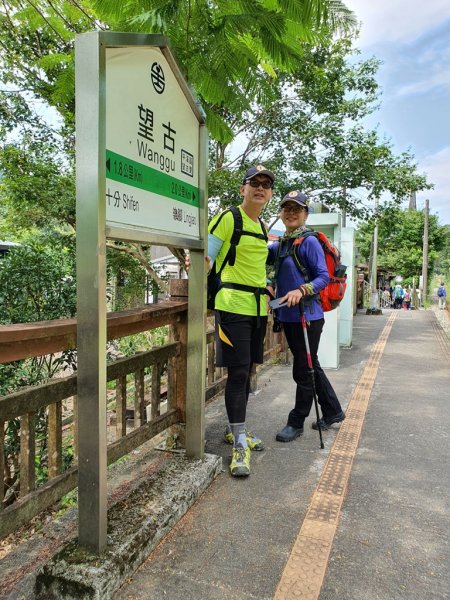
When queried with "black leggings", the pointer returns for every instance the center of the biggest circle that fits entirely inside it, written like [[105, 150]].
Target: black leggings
[[237, 391], [326, 395]]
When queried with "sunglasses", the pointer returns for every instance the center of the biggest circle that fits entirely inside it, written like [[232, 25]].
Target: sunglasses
[[293, 209], [254, 183]]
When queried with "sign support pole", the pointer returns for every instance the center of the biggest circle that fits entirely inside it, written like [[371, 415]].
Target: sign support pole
[[196, 344], [141, 163], [91, 300]]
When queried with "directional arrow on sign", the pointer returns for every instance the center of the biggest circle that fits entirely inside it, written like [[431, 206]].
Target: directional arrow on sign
[[108, 164]]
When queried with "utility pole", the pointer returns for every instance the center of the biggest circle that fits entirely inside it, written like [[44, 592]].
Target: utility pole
[[425, 252], [344, 210], [374, 298]]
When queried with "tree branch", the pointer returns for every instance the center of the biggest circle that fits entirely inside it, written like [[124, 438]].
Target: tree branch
[[138, 255], [44, 18], [93, 21]]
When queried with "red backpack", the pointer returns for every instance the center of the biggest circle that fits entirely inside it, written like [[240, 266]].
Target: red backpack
[[332, 294]]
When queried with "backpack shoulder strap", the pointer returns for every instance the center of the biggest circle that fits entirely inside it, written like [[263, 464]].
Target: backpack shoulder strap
[[238, 226], [260, 236], [264, 230], [221, 216], [230, 256], [238, 232], [308, 233], [296, 245]]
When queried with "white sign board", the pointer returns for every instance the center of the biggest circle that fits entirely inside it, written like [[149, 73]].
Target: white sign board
[[152, 145]]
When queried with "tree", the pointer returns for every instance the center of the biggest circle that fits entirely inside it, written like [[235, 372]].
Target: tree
[[312, 137], [230, 51], [442, 264], [269, 71], [226, 49], [36, 283], [400, 234], [38, 187]]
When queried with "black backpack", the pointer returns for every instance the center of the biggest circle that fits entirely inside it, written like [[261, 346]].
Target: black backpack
[[214, 281]]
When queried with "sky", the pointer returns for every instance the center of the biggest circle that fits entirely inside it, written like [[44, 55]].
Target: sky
[[412, 39]]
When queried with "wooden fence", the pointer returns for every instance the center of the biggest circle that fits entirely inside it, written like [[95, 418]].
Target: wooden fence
[[140, 390]]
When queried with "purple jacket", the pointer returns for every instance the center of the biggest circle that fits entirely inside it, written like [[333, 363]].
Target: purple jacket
[[289, 277]]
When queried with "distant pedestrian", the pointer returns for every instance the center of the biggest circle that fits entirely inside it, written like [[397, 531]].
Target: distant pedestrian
[[398, 296], [386, 297], [407, 299], [442, 296], [391, 293]]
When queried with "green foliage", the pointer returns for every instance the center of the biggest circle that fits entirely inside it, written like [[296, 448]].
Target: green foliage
[[37, 188], [139, 342], [442, 264], [67, 501], [230, 50], [37, 282], [400, 241], [272, 71], [311, 136], [129, 277], [226, 49]]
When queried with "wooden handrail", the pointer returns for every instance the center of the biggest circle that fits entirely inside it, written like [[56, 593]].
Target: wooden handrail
[[24, 340]]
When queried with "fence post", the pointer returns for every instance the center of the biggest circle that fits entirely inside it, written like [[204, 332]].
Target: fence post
[[2, 462], [156, 389], [211, 377], [139, 399], [27, 453], [75, 428], [178, 289], [121, 407], [54, 439]]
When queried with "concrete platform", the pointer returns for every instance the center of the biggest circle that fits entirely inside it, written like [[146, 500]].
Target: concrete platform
[[392, 539], [135, 526]]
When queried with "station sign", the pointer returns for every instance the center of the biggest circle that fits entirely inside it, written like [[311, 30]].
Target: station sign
[[152, 145]]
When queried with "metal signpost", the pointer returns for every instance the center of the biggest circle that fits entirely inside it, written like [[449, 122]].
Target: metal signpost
[[141, 162]]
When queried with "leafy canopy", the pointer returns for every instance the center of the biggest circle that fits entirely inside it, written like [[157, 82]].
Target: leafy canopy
[[401, 250], [228, 50], [313, 138]]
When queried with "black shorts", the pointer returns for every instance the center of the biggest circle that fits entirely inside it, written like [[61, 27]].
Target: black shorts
[[239, 340]]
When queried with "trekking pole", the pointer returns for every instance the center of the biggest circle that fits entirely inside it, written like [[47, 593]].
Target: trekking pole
[[310, 369]]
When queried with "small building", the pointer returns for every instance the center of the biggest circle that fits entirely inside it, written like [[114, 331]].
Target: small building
[[5, 247]]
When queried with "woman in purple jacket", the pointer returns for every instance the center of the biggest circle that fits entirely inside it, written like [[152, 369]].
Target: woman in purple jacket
[[291, 287]]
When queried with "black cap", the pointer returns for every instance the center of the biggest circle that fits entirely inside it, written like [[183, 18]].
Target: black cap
[[258, 170], [297, 197]]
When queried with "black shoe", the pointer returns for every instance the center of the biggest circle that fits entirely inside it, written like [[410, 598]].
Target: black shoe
[[326, 423], [289, 433]]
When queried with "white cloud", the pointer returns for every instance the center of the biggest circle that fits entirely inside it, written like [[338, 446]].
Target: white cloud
[[411, 38], [435, 81], [388, 21], [437, 168]]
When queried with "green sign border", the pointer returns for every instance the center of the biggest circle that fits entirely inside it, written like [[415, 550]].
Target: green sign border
[[128, 171]]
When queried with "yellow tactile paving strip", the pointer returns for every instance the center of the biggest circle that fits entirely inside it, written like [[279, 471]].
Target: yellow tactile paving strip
[[306, 566]]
